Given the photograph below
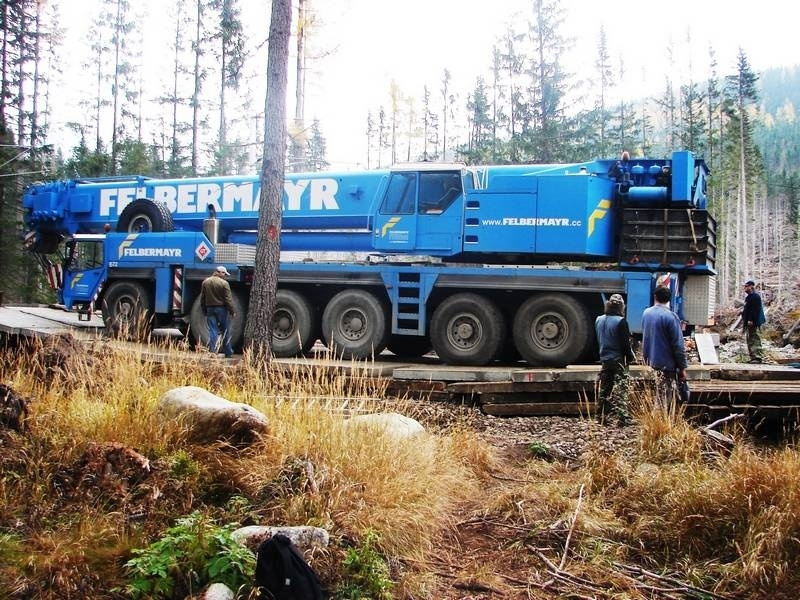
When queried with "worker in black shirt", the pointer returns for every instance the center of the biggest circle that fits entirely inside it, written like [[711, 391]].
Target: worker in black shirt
[[614, 339], [752, 319]]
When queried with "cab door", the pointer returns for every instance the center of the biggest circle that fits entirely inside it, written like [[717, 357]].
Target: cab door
[[396, 222], [84, 270], [421, 213], [440, 213]]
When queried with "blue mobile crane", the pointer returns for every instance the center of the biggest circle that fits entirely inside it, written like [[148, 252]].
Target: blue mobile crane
[[476, 263]]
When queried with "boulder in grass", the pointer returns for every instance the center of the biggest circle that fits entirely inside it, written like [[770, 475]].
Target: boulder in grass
[[210, 417], [214, 591], [303, 536], [393, 424]]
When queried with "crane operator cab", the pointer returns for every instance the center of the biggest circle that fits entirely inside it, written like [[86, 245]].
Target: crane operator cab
[[422, 210]]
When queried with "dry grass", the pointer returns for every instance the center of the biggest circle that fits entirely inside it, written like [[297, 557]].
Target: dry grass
[[737, 515], [311, 469], [728, 524], [665, 435]]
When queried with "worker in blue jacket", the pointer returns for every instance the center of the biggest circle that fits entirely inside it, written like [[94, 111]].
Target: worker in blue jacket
[[614, 339], [663, 348]]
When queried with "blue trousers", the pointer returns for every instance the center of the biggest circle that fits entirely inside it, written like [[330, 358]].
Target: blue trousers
[[219, 324]]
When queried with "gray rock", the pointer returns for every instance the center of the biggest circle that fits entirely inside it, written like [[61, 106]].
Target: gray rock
[[646, 469], [214, 591], [393, 424], [304, 537], [210, 417]]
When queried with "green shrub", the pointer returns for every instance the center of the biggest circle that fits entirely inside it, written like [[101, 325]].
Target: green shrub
[[182, 465], [190, 555], [539, 449], [365, 572]]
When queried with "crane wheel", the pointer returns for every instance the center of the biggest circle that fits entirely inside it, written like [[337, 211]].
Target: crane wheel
[[294, 323], [355, 324], [552, 330], [127, 310], [467, 329]]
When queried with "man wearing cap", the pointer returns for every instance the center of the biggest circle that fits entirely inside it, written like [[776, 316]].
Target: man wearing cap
[[216, 300], [614, 339], [752, 319], [663, 348]]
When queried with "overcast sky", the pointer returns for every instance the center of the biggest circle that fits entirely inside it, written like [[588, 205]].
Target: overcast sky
[[369, 43]]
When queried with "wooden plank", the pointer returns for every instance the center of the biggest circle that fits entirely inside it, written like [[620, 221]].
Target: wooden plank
[[18, 321], [417, 385], [437, 396], [748, 372], [539, 409], [541, 398], [479, 387], [454, 373], [748, 385], [765, 395], [488, 387], [768, 411]]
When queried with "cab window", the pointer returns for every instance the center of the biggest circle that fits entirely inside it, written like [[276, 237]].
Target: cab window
[[82, 255], [400, 194], [438, 190]]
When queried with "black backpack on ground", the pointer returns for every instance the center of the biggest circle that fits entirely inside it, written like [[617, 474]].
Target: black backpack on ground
[[283, 574]]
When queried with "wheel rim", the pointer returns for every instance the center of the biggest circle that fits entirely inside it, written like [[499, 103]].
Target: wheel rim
[[141, 224], [283, 324], [126, 316], [549, 330], [353, 325], [125, 312], [464, 331]]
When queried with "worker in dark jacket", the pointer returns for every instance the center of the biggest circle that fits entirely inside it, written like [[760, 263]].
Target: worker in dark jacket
[[614, 339], [216, 300], [663, 348], [752, 320]]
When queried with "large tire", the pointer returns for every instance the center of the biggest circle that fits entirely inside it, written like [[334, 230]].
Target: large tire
[[127, 310], [467, 329], [355, 324], [145, 216], [198, 326], [409, 346], [293, 324], [552, 330]]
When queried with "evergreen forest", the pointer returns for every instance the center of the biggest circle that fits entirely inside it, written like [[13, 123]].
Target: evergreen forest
[[525, 108]]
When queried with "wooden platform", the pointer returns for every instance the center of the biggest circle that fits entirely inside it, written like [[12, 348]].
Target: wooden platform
[[44, 321]]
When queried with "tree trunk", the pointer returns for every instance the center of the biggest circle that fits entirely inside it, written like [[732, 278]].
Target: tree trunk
[[222, 148], [4, 62], [99, 101], [34, 129], [175, 161], [196, 89], [21, 79], [258, 328], [298, 133], [115, 89]]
